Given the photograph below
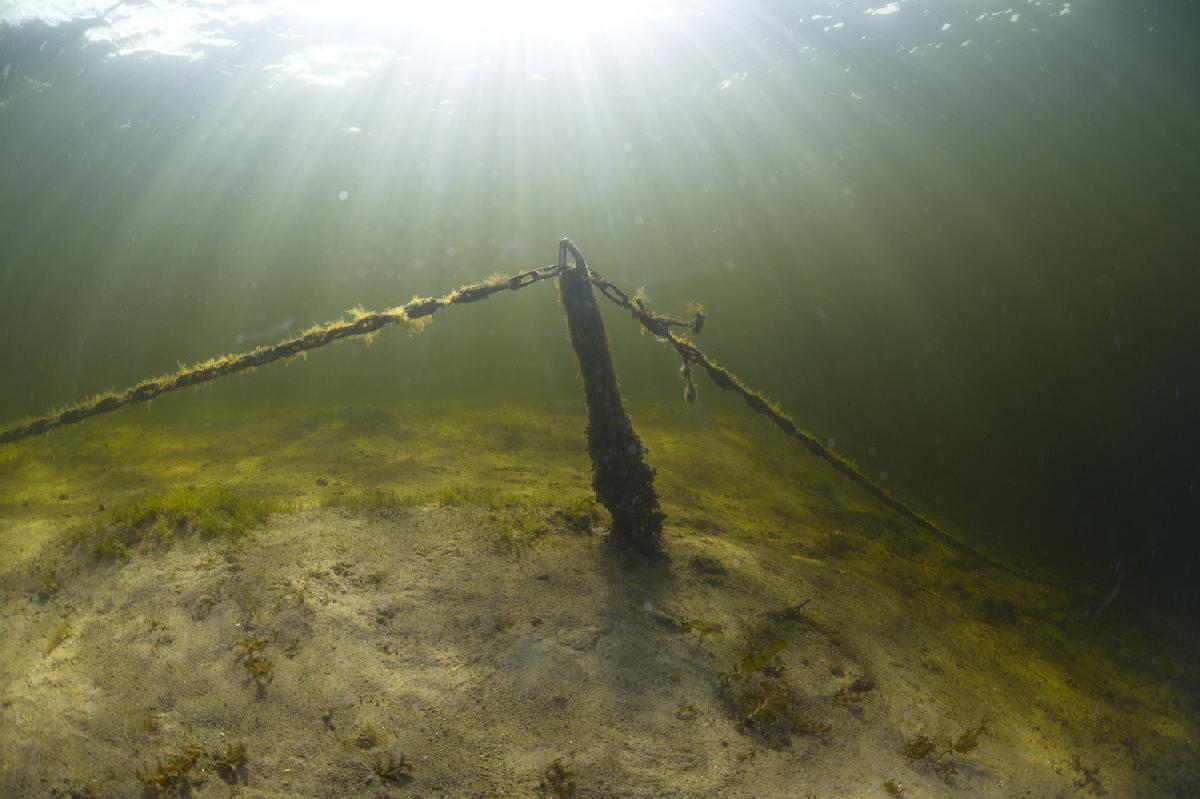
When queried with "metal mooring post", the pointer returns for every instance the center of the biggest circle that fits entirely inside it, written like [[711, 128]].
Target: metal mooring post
[[622, 480]]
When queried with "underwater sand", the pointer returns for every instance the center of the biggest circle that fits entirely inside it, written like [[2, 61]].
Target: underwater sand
[[432, 590]]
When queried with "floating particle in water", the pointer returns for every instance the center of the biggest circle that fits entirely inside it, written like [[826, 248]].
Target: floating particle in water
[[343, 195], [730, 265], [831, 442], [883, 476], [736, 77], [628, 146], [884, 10], [647, 606], [639, 220]]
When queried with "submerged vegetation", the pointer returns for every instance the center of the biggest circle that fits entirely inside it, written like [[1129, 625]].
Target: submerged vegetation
[[518, 518], [757, 659], [370, 500], [177, 776], [558, 781], [141, 524], [369, 737], [1087, 778], [59, 633], [230, 764], [519, 521], [172, 777], [756, 693], [259, 669], [389, 768], [776, 654], [923, 749]]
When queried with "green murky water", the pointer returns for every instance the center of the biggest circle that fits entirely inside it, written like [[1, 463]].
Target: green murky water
[[953, 240]]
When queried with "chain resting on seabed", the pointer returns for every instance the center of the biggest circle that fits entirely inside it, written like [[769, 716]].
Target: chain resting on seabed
[[419, 311]]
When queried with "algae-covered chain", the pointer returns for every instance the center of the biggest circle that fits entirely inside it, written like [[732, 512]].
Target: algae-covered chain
[[417, 313], [413, 316], [661, 326]]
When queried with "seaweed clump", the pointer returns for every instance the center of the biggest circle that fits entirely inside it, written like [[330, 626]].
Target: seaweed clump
[[47, 584], [519, 519], [757, 659], [259, 669], [212, 513], [580, 517], [230, 764], [376, 500], [559, 781], [369, 738], [1088, 778], [851, 696], [764, 704], [388, 768], [179, 774], [173, 777], [922, 748]]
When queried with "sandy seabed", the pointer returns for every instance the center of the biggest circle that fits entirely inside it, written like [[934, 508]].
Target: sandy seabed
[[797, 640]]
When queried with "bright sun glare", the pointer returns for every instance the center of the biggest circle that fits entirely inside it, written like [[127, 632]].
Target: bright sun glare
[[484, 19]]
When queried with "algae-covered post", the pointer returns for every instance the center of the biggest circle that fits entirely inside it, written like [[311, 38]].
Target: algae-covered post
[[622, 480]]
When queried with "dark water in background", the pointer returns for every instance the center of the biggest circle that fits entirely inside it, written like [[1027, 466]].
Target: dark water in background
[[966, 253]]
